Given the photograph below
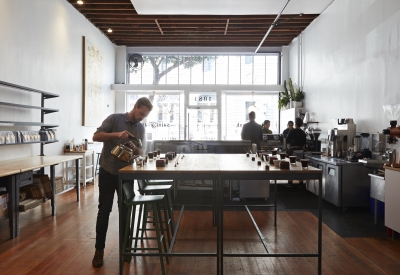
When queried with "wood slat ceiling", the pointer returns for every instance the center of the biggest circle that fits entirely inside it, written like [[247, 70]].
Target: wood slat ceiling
[[133, 30]]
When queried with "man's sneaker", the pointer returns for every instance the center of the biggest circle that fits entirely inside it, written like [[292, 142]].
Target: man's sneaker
[[98, 258]]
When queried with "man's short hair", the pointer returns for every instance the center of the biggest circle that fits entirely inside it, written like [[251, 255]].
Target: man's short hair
[[299, 122], [252, 114], [290, 122], [144, 101]]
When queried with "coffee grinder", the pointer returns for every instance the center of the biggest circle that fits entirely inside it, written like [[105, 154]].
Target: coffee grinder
[[393, 113], [312, 142]]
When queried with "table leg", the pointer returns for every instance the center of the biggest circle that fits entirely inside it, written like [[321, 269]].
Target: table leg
[[11, 185], [120, 227], [16, 204], [320, 225], [53, 187], [276, 193], [220, 225], [77, 178]]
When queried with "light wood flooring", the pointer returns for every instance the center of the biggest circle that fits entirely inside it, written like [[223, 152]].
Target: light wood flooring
[[64, 244]]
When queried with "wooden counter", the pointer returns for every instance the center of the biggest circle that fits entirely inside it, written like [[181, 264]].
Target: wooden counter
[[18, 172]]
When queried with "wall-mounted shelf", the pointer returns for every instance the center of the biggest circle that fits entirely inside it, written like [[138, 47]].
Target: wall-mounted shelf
[[43, 111], [15, 86], [31, 142], [23, 123]]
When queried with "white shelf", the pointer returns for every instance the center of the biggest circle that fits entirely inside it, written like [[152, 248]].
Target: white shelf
[[87, 162]]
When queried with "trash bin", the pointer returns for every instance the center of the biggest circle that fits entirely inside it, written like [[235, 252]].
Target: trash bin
[[381, 207]]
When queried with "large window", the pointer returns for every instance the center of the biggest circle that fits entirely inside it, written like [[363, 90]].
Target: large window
[[207, 69], [201, 114], [164, 121], [237, 107]]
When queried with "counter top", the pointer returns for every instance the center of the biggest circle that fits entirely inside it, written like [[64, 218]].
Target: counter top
[[391, 168], [334, 161]]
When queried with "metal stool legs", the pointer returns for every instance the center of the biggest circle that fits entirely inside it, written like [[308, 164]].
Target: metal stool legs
[[130, 235], [96, 171]]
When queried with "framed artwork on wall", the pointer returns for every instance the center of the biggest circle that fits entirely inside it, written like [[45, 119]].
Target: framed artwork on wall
[[92, 84]]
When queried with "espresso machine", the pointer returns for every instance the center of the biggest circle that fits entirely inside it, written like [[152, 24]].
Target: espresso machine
[[341, 136], [272, 141]]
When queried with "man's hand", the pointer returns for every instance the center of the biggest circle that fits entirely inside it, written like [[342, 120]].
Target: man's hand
[[133, 147], [124, 135]]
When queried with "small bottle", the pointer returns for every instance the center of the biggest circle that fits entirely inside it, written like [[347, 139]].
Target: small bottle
[[86, 144]]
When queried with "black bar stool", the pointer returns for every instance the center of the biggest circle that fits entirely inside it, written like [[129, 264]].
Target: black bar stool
[[131, 201], [96, 171], [165, 190]]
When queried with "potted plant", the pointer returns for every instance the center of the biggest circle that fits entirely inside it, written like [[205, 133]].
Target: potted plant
[[285, 97], [296, 94]]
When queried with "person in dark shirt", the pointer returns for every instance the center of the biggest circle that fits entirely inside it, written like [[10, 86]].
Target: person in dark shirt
[[287, 130], [297, 137], [265, 127], [297, 140], [252, 130]]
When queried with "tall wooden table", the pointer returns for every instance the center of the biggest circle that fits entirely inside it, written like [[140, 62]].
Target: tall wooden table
[[17, 170], [219, 167]]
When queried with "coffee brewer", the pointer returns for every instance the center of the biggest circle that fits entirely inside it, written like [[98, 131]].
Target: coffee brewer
[[312, 142]]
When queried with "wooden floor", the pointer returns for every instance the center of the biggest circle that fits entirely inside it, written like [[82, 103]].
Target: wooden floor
[[64, 244]]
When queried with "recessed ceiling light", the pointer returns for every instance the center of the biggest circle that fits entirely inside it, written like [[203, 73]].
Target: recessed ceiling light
[[79, 2], [109, 29]]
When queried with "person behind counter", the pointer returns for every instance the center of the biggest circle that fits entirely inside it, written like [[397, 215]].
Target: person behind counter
[[287, 130], [297, 140], [252, 130], [113, 130], [265, 127]]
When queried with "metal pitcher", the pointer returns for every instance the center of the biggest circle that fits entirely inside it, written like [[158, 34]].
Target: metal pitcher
[[123, 153]]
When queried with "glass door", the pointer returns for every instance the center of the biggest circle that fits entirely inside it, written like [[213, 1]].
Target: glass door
[[202, 116]]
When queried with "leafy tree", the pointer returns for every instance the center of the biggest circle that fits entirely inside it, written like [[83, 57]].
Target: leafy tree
[[172, 62]]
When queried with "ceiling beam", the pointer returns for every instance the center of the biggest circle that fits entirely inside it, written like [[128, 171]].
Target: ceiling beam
[[158, 25], [226, 27]]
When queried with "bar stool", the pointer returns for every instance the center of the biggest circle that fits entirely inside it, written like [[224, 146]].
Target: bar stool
[[165, 190], [96, 171], [131, 201]]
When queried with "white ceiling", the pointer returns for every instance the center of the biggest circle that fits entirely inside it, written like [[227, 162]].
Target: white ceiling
[[228, 7]]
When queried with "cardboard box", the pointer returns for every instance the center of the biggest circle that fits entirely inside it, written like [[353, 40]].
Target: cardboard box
[[3, 204]]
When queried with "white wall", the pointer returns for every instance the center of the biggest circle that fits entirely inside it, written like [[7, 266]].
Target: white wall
[[351, 62], [41, 47]]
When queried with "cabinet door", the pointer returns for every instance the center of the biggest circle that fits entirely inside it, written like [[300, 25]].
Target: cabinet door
[[332, 190], [392, 202], [312, 185]]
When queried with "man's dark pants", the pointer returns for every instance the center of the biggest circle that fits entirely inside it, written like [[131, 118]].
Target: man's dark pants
[[108, 185]]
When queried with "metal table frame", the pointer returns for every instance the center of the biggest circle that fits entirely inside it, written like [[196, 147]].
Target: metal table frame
[[218, 177]]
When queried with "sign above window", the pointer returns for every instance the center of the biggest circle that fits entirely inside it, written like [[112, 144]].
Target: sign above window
[[203, 99]]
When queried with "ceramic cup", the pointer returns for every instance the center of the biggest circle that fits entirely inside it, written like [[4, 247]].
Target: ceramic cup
[[292, 159], [271, 160], [304, 163]]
